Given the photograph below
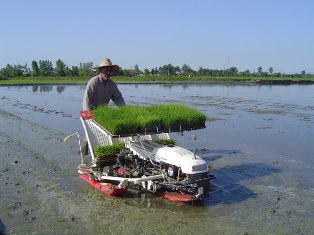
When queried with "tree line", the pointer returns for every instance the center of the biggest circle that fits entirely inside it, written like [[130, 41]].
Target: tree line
[[45, 68]]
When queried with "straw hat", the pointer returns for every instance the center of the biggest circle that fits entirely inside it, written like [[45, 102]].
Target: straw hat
[[107, 63]]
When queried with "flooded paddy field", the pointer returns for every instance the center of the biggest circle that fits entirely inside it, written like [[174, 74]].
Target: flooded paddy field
[[258, 141]]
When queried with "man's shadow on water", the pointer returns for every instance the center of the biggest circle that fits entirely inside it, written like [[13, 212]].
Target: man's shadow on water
[[2, 228], [226, 187]]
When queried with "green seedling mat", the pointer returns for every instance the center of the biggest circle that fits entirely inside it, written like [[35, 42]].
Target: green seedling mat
[[130, 119]]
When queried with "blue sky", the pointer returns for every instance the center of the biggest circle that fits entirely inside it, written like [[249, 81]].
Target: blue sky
[[151, 33]]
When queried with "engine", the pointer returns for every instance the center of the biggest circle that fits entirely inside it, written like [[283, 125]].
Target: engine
[[183, 170]]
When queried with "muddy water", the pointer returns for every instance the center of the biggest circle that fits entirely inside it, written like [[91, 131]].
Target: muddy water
[[258, 140]]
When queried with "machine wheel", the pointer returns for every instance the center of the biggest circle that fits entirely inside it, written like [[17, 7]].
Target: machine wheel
[[172, 171]]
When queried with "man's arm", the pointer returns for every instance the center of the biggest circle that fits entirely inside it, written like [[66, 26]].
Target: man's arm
[[88, 96], [117, 97]]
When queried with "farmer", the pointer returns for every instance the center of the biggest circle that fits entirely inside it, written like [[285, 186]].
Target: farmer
[[101, 89]]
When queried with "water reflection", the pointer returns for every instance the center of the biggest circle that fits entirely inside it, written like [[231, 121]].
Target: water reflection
[[45, 88], [227, 187], [35, 88], [60, 89], [41, 88]]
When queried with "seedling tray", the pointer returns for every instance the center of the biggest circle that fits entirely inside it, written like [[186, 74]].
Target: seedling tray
[[129, 120]]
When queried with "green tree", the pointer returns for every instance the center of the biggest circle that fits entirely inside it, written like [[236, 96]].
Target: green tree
[[202, 72], [245, 73], [75, 71], [68, 71], [4, 73], [303, 73], [128, 72], [233, 71], [45, 68], [13, 70], [177, 70], [186, 70], [18, 70], [26, 70], [136, 70], [154, 71], [260, 70], [86, 69], [270, 70], [146, 72], [60, 68], [168, 70], [35, 68]]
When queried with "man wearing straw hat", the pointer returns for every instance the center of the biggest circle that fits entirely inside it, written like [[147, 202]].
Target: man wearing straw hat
[[101, 89]]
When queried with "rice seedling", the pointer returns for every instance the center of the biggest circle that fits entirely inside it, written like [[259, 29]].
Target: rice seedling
[[165, 141], [175, 116], [108, 150], [138, 119]]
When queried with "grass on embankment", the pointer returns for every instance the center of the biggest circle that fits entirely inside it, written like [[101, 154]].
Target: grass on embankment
[[144, 79], [43, 80]]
